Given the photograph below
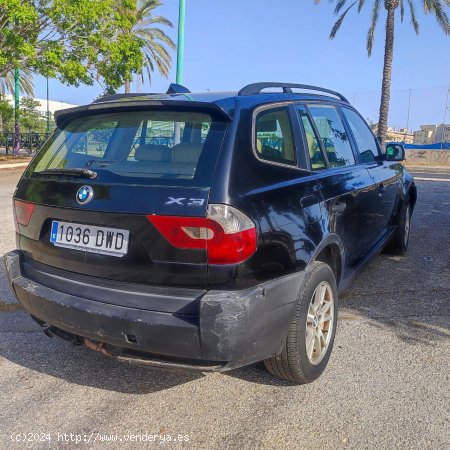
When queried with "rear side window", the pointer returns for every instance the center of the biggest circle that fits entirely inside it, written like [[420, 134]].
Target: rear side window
[[273, 140], [333, 135], [365, 140], [151, 147], [314, 152]]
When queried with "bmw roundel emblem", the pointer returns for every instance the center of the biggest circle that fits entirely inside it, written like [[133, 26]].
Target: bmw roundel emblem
[[84, 195]]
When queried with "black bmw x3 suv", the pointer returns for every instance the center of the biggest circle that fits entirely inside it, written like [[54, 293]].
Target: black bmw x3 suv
[[206, 230]]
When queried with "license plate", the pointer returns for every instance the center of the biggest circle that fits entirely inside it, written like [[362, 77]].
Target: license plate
[[89, 238]]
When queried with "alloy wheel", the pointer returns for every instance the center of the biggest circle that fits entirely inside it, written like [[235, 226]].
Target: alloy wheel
[[407, 225], [319, 323]]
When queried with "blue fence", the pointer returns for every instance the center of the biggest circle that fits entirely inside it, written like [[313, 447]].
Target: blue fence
[[436, 146]]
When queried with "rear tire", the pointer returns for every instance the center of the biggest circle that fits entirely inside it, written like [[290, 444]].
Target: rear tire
[[312, 330], [398, 244]]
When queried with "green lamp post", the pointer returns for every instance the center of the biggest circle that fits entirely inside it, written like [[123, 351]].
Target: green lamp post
[[16, 111], [180, 46]]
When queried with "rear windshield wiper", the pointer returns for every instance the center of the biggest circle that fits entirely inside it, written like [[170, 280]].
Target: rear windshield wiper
[[82, 173]]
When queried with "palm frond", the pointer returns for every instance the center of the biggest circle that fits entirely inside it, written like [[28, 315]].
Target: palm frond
[[436, 7], [153, 34], [145, 22], [338, 23], [161, 65], [373, 24], [149, 68], [339, 5], [26, 85], [155, 42], [162, 21], [412, 11]]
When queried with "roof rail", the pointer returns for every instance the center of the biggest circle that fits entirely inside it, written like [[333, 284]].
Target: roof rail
[[175, 88], [256, 88]]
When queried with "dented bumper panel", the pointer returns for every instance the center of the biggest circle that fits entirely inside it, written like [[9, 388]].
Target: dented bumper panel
[[229, 328]]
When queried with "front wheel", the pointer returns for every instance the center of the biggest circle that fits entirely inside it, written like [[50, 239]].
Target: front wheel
[[311, 333]]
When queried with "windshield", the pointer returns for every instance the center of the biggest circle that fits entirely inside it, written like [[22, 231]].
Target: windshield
[[136, 147]]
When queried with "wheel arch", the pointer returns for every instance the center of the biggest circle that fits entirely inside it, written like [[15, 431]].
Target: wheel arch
[[331, 251], [412, 192]]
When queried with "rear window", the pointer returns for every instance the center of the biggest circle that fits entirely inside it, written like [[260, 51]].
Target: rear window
[[151, 147]]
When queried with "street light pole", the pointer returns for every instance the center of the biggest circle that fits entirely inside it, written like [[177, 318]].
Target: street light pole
[[180, 46], [407, 119], [445, 118], [180, 52], [16, 111]]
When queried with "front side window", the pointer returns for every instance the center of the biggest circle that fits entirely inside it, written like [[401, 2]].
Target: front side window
[[333, 135], [365, 140], [167, 147], [274, 141]]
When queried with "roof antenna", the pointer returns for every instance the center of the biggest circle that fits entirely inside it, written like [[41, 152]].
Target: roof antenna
[[175, 88]]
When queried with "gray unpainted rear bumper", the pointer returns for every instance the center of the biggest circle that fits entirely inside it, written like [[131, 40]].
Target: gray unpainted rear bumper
[[222, 329]]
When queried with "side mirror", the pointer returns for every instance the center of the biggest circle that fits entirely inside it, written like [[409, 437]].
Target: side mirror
[[395, 152]]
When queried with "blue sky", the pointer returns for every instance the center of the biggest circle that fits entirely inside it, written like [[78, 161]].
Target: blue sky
[[229, 43]]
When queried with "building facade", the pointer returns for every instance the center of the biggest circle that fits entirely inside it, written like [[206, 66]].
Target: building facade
[[393, 135], [442, 133], [53, 105], [425, 135], [432, 134]]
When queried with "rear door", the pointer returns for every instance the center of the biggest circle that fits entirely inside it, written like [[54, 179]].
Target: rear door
[[344, 183], [105, 176], [386, 175]]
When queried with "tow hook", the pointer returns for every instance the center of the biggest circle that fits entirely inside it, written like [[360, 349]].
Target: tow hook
[[96, 346], [52, 331]]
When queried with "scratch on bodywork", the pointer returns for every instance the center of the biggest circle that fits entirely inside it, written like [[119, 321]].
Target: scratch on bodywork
[[29, 286], [226, 313]]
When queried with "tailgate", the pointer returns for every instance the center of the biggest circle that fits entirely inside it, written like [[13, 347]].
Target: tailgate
[[102, 175], [149, 258]]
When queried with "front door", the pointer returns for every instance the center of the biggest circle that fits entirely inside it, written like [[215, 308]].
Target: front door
[[386, 175], [345, 183]]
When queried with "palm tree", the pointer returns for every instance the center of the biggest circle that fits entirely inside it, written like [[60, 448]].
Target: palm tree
[[155, 39], [435, 7], [26, 85]]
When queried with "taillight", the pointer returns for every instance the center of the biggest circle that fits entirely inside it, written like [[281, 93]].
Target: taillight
[[234, 238], [227, 234], [22, 213]]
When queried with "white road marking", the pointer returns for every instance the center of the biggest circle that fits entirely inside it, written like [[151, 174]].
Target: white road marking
[[432, 179], [430, 173]]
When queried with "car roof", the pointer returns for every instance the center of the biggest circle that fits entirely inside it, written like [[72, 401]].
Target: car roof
[[207, 97], [225, 103]]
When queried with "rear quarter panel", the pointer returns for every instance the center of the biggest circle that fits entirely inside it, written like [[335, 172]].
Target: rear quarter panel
[[284, 203]]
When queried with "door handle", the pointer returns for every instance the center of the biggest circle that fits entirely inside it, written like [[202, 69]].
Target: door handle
[[338, 208]]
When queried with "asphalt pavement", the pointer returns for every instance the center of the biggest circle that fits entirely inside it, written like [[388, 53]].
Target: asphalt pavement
[[387, 384]]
